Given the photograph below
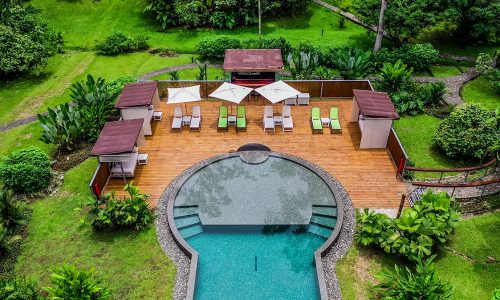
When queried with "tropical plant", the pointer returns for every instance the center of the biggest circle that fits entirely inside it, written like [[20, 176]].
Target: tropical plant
[[352, 63], [428, 223], [323, 73], [13, 214], [69, 282], [119, 42], [202, 71], [26, 170], [394, 77], [19, 289], [469, 132], [174, 75], [112, 213], [94, 102], [61, 126], [7, 240], [408, 284], [302, 65]]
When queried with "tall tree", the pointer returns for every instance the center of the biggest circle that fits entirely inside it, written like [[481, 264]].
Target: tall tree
[[380, 28]]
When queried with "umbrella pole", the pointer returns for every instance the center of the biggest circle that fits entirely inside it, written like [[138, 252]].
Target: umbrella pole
[[186, 107]]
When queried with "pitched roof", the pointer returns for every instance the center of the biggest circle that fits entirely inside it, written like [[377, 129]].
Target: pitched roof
[[375, 104], [137, 94], [263, 60], [118, 137]]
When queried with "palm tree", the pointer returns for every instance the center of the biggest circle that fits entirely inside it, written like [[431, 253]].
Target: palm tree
[[380, 28]]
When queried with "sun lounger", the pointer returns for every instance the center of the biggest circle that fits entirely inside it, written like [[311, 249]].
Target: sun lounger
[[222, 124], [177, 121], [316, 124], [334, 120], [241, 119], [195, 124], [268, 119], [287, 122]]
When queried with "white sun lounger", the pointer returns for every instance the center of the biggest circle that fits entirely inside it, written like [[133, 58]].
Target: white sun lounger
[[268, 119], [177, 121], [196, 119], [287, 121]]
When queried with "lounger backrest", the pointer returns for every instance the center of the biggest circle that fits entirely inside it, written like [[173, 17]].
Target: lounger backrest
[[178, 112], [223, 111], [286, 112], [240, 111], [334, 113], [315, 113], [196, 111], [268, 112]]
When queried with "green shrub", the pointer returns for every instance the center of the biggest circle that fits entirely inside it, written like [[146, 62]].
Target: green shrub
[[119, 42], [19, 289], [116, 86], [112, 213], [415, 233], [302, 65], [26, 170], [488, 67], [13, 214], [174, 75], [404, 283], [352, 63], [213, 49], [7, 240], [495, 295], [72, 283], [394, 77], [61, 126], [469, 132], [269, 43], [417, 56]]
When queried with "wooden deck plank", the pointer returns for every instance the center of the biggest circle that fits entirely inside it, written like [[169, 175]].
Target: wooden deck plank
[[367, 175]]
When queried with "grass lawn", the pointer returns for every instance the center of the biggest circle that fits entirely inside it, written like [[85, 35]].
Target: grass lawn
[[445, 71], [480, 91], [132, 265], [357, 271], [190, 74], [97, 20], [22, 137]]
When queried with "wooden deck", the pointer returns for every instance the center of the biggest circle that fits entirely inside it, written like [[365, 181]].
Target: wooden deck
[[367, 175]]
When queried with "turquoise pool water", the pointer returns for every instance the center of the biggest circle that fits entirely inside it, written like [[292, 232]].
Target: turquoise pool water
[[254, 265]]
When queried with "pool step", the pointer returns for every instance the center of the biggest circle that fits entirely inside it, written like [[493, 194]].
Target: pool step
[[191, 231], [324, 210], [324, 221], [187, 221], [181, 211], [318, 230]]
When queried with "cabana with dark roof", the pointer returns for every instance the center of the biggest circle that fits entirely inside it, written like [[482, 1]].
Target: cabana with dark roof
[[138, 101], [374, 113], [253, 67], [117, 146]]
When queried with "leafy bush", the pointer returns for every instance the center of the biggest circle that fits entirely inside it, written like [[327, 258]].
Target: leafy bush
[[94, 102], [495, 295], [111, 213], [213, 49], [302, 65], [488, 67], [404, 283], [72, 283], [415, 233], [174, 75], [116, 86], [269, 43], [119, 42], [417, 56], [468, 132], [7, 240], [352, 63], [25, 40], [26, 170], [18, 289], [13, 214], [61, 126], [394, 77]]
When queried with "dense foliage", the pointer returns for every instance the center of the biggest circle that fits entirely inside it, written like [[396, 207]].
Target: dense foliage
[[69, 282], [110, 212], [415, 233], [25, 41], [26, 170], [469, 132], [488, 66], [302, 65], [417, 56], [352, 63], [408, 284], [213, 49], [477, 20], [119, 42], [61, 126], [219, 13], [13, 213], [19, 289]]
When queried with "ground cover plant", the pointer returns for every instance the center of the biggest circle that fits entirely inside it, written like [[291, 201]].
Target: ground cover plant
[[19, 288]]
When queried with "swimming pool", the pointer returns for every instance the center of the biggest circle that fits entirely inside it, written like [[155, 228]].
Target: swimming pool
[[255, 226]]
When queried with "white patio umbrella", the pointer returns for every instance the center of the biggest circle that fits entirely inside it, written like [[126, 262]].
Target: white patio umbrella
[[184, 95], [231, 92], [277, 91]]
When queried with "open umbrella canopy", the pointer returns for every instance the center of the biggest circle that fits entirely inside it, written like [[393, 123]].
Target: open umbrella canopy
[[231, 92], [184, 94], [277, 91]]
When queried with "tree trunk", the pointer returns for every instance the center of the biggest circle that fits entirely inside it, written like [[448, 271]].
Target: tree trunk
[[380, 28]]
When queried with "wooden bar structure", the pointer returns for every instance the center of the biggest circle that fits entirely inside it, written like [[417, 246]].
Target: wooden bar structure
[[367, 175]]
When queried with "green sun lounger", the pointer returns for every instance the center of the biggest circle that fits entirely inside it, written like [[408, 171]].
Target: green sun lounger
[[222, 118], [241, 118], [334, 120], [317, 127]]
